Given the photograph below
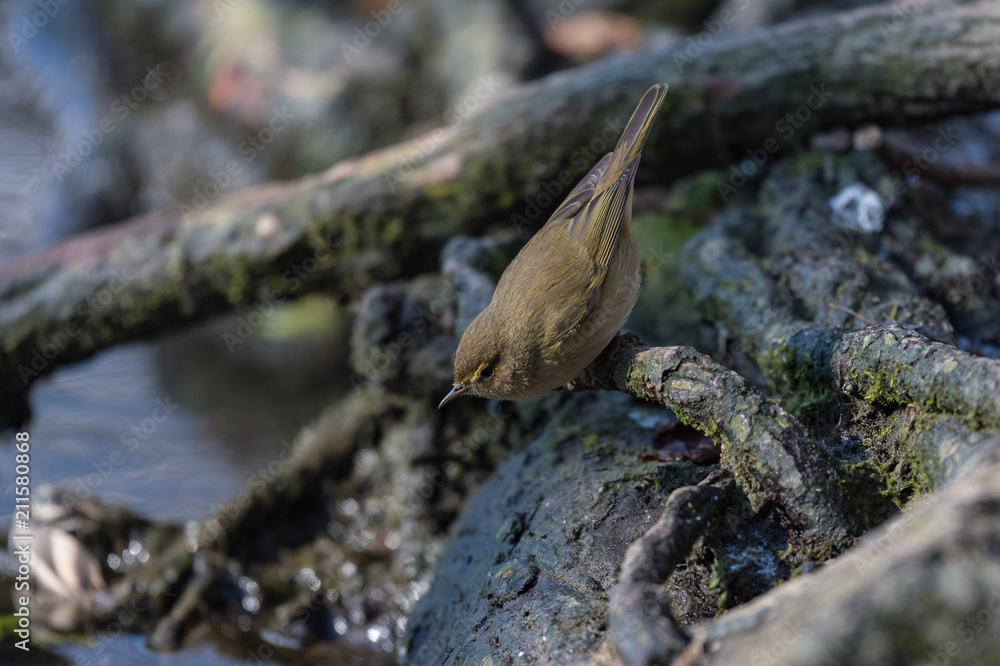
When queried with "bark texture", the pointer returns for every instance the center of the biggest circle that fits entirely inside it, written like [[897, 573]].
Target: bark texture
[[924, 588], [767, 450]]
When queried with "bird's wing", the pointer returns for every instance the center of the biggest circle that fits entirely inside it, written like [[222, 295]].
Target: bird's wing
[[596, 229], [599, 224], [582, 193], [592, 216]]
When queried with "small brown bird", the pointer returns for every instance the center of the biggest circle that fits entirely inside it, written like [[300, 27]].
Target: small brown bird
[[570, 288]]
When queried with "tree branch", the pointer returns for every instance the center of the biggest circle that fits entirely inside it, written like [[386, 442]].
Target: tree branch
[[769, 453], [644, 630]]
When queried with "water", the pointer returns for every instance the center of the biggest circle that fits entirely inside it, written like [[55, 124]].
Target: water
[[128, 649], [169, 428], [82, 438]]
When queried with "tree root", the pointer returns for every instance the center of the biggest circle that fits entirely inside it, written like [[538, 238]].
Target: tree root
[[891, 598], [767, 450], [641, 624]]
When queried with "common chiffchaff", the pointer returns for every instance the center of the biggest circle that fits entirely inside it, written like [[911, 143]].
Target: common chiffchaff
[[570, 288]]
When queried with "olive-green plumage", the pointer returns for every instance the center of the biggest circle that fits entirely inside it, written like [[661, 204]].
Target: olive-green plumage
[[570, 288]]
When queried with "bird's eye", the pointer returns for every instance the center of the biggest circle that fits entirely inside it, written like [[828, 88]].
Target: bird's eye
[[487, 372]]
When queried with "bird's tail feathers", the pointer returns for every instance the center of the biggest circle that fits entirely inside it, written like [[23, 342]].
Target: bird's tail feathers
[[634, 137]]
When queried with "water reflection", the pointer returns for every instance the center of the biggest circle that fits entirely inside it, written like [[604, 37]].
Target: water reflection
[[170, 429]]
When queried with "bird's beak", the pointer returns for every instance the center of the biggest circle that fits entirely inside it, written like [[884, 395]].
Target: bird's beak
[[456, 391]]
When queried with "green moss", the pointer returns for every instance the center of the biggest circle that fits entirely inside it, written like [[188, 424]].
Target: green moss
[[880, 386], [880, 472], [151, 306], [866, 488], [313, 316], [507, 199], [670, 231], [392, 230], [637, 380], [774, 361], [731, 579], [802, 395], [230, 276], [817, 552], [702, 193], [809, 161], [665, 312], [739, 427]]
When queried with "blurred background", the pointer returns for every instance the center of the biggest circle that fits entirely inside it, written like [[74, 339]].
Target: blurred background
[[110, 109]]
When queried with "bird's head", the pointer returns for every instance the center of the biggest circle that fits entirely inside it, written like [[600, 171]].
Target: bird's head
[[486, 363]]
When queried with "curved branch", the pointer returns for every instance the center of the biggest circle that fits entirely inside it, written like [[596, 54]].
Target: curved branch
[[765, 448], [891, 365], [644, 631]]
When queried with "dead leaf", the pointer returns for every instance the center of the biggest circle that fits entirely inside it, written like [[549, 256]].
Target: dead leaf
[[677, 441]]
